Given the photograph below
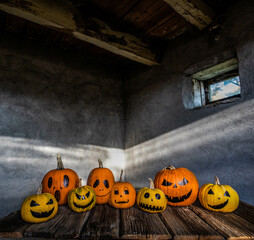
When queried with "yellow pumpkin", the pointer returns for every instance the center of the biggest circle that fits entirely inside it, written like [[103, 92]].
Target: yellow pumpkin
[[39, 207], [151, 199], [81, 199], [218, 198], [122, 195]]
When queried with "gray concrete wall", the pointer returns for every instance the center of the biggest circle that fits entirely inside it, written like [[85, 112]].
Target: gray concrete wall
[[213, 140], [54, 101]]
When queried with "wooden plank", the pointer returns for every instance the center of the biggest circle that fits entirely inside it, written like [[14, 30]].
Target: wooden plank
[[229, 225], [47, 229], [12, 226], [137, 224], [71, 224], [103, 223], [186, 225], [245, 211], [100, 34], [194, 11]]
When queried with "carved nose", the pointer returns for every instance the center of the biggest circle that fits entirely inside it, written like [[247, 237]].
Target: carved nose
[[120, 195], [175, 186]]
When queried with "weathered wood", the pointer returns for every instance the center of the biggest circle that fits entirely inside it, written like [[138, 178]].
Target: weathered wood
[[72, 224], [12, 226], [100, 34], [47, 229], [136, 224], [186, 225], [103, 223], [245, 211], [194, 11], [229, 225]]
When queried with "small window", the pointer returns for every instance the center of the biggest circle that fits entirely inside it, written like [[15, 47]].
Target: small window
[[216, 84]]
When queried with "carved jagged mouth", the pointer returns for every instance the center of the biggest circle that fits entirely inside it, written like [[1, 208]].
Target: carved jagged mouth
[[178, 199], [87, 205], [222, 205], [150, 207], [103, 195], [42, 214], [121, 201]]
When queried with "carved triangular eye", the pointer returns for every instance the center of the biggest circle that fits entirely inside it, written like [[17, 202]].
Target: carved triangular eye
[[184, 182], [227, 194], [166, 183], [49, 202], [34, 204], [211, 192], [78, 196]]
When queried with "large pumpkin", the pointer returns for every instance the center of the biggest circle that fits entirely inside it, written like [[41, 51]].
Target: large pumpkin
[[101, 180], [180, 185], [151, 199], [122, 195], [39, 207], [60, 181], [218, 198], [81, 199]]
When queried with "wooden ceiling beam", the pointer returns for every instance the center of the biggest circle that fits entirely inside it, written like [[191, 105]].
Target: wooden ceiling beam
[[59, 15], [194, 11]]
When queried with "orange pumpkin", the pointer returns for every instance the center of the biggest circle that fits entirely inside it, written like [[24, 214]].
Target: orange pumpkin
[[101, 180], [180, 185], [60, 181], [123, 194]]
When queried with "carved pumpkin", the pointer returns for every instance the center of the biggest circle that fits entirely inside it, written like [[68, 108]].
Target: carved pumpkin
[[180, 185], [122, 195], [60, 181], [81, 199], [39, 207], [101, 180], [218, 198], [151, 199]]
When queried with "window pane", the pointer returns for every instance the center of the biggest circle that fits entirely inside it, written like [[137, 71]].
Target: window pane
[[224, 89]]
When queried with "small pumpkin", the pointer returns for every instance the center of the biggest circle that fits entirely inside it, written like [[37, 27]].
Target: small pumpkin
[[60, 181], [218, 198], [180, 185], [81, 199], [123, 194], [151, 199], [38, 208], [101, 180]]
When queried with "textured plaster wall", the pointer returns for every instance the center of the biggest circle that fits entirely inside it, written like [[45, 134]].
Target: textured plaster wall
[[54, 102], [213, 140]]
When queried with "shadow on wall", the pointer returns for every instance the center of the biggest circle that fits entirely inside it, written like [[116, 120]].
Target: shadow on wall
[[24, 162], [221, 144]]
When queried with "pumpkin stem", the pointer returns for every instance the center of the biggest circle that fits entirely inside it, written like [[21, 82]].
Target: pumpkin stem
[[100, 163], [39, 189], [170, 167], [217, 181], [151, 183], [60, 165], [80, 183], [121, 175]]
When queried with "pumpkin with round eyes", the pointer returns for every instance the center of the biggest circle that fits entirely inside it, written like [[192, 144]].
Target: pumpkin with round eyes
[[60, 181], [151, 199], [218, 198], [123, 194], [101, 180], [81, 199], [180, 185], [39, 207]]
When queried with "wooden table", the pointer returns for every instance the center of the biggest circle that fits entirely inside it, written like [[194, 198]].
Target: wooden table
[[105, 222]]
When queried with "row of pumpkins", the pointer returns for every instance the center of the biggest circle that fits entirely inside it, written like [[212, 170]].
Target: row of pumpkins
[[172, 186]]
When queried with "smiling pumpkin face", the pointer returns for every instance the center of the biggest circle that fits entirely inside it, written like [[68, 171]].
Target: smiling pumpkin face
[[180, 185], [151, 200], [39, 208], [81, 199], [218, 198], [123, 194], [101, 180]]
